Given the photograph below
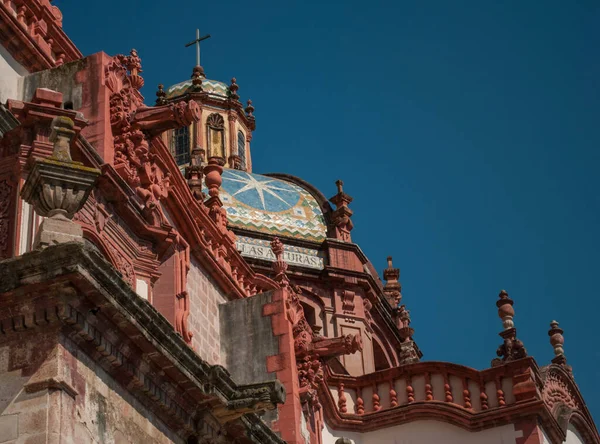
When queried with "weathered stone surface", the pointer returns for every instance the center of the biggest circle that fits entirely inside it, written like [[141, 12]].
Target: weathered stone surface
[[101, 362], [9, 427], [57, 231], [247, 336]]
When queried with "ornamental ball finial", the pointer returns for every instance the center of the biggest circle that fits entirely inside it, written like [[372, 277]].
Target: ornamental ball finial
[[556, 338], [505, 310]]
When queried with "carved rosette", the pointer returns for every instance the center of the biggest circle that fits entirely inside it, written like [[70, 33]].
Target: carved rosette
[[556, 392]]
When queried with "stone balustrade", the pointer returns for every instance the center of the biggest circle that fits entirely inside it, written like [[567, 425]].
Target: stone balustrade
[[462, 387]]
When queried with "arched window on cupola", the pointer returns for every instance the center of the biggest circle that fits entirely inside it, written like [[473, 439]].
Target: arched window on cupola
[[181, 138], [242, 149], [215, 128]]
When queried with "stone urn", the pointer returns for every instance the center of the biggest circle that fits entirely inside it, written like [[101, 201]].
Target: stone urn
[[57, 188]]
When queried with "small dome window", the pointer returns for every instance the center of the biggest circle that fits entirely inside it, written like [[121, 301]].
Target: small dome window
[[182, 145], [242, 149]]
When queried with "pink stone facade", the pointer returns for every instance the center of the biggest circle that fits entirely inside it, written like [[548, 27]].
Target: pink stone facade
[[205, 298]]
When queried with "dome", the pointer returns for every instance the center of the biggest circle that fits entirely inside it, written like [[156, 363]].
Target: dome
[[271, 206], [214, 88]]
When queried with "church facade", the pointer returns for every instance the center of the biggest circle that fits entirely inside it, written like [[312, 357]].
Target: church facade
[[155, 289]]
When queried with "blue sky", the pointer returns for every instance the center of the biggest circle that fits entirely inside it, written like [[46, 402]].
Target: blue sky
[[467, 133]]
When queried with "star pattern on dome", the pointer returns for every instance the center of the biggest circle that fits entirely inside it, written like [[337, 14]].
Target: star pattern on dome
[[261, 187]]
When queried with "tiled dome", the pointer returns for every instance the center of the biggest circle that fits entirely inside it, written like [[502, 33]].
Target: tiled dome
[[271, 206], [212, 87]]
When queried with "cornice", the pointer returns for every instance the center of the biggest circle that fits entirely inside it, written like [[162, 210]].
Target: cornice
[[23, 46], [77, 289]]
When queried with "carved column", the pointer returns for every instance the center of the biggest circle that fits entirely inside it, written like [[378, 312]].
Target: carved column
[[232, 137], [199, 133]]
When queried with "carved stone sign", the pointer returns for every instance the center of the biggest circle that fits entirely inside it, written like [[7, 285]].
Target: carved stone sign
[[261, 249]]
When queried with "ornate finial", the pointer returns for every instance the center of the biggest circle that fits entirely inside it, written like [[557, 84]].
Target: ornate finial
[[512, 348], [57, 188], [250, 109], [341, 215], [233, 95], [62, 134], [408, 352], [161, 95], [133, 63], [392, 287], [280, 266], [197, 76], [404, 316], [213, 180], [505, 310], [557, 340]]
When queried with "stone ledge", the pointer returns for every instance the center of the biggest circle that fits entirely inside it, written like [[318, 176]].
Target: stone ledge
[[68, 271]]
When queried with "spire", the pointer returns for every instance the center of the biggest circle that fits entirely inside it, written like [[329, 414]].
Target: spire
[[392, 287], [342, 214], [512, 348], [233, 88], [557, 340], [250, 110]]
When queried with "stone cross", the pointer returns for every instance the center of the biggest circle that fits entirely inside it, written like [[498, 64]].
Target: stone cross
[[197, 43]]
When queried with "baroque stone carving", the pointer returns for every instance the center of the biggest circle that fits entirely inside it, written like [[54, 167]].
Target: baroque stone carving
[[342, 214], [557, 392], [126, 270], [132, 123], [348, 300], [5, 195], [309, 349]]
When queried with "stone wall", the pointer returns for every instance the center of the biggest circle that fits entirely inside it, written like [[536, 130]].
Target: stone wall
[[247, 336], [53, 392], [11, 73], [205, 297]]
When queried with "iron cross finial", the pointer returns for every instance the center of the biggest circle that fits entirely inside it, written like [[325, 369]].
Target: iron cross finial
[[197, 43]]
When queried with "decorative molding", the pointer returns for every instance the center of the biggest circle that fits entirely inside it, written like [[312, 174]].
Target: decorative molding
[[6, 196]]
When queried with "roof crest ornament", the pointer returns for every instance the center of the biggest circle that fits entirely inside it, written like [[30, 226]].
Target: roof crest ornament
[[512, 348], [197, 43]]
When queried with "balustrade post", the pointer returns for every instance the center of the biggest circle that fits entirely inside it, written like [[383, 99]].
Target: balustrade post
[[360, 404], [466, 394], [428, 390], [393, 395], [447, 389], [500, 393], [376, 400], [341, 399], [410, 392]]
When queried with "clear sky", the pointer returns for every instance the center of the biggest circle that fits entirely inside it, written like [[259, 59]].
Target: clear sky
[[467, 132]]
